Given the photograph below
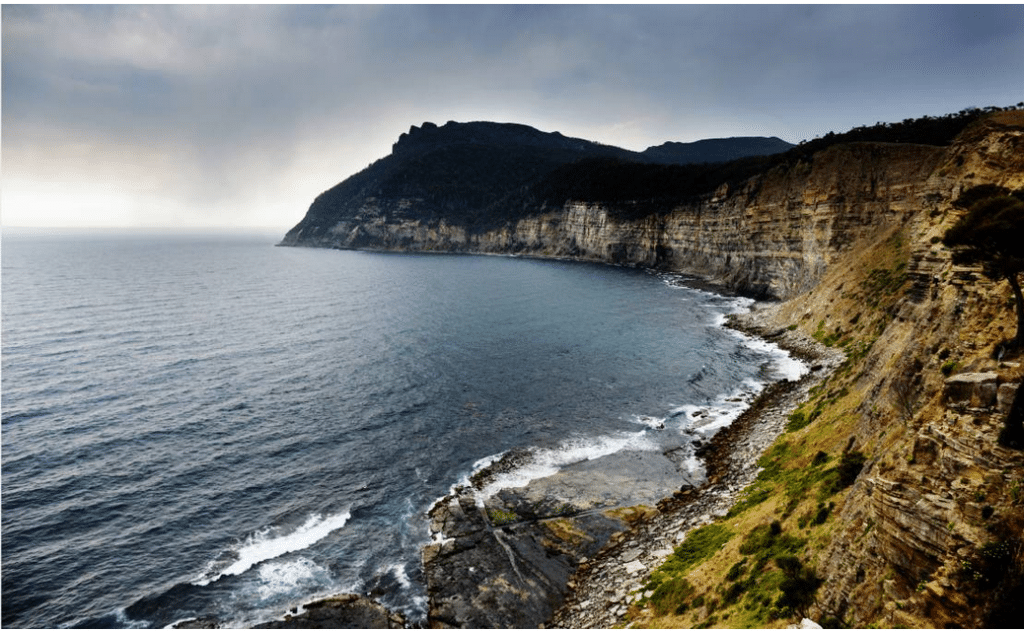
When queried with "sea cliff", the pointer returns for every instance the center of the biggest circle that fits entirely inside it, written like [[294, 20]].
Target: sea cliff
[[887, 485]]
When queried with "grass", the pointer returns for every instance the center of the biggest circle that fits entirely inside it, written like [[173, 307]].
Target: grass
[[671, 588], [500, 517], [789, 511]]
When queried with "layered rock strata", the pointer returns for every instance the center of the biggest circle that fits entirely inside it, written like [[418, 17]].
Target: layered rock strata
[[774, 236], [913, 537]]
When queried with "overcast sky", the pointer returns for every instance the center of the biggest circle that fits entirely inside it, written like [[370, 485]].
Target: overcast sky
[[201, 116]]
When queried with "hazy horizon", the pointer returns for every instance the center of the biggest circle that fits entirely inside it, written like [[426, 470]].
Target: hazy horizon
[[236, 117]]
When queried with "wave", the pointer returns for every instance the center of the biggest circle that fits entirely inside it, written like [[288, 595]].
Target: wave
[[290, 576], [783, 365], [539, 462], [267, 544], [720, 413]]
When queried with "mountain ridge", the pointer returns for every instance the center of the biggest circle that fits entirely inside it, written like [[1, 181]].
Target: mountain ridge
[[479, 174]]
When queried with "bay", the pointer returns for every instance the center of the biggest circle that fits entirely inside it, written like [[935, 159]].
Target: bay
[[208, 425]]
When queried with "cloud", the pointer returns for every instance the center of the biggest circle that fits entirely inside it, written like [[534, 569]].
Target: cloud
[[200, 106]]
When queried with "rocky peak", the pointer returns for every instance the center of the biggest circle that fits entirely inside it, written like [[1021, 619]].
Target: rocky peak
[[430, 136]]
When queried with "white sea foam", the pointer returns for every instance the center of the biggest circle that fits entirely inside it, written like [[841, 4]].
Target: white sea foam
[[127, 623], [783, 365], [398, 571], [546, 462], [654, 422], [289, 576], [708, 419], [267, 543]]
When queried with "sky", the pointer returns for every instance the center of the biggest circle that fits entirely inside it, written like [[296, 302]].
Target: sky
[[229, 116]]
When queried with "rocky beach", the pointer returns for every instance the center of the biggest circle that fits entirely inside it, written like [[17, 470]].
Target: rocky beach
[[573, 549], [603, 588]]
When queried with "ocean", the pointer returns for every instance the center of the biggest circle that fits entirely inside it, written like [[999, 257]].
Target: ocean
[[208, 425]]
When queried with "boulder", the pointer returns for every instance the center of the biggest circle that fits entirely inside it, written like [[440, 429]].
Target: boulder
[[971, 389], [1007, 393]]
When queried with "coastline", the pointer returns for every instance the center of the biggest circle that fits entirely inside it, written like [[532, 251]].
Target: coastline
[[602, 589], [580, 565]]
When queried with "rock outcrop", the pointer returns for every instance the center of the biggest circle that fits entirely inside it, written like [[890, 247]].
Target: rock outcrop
[[773, 236], [345, 611]]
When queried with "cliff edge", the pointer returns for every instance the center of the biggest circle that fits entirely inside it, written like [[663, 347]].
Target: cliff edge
[[888, 500]]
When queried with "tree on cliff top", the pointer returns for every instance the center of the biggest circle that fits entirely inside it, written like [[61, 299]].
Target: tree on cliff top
[[992, 234]]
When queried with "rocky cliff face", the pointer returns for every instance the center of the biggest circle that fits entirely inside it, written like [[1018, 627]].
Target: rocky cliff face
[[930, 531], [931, 534], [774, 236]]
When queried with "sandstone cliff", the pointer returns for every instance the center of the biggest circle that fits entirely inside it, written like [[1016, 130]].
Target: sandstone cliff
[[931, 531], [928, 530], [774, 236]]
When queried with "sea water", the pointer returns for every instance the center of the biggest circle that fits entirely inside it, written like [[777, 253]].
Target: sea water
[[211, 426]]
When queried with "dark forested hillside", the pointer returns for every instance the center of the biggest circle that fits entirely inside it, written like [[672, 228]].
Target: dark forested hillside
[[715, 150], [481, 174]]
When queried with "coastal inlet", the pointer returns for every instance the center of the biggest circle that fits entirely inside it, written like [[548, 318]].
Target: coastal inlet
[[214, 428]]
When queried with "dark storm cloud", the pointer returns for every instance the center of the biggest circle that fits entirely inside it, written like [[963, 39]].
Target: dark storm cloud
[[203, 100]]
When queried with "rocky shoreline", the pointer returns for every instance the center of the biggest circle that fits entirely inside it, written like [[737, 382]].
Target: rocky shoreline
[[554, 554], [572, 550], [602, 589]]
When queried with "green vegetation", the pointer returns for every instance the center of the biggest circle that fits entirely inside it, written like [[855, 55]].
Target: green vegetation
[[760, 589], [671, 589], [798, 586], [828, 339], [797, 482], [797, 421], [849, 468], [699, 545], [882, 283], [500, 517]]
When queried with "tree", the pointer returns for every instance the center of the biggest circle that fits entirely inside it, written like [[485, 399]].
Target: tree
[[797, 586], [992, 234]]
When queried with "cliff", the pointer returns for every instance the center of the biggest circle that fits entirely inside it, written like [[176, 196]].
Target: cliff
[[888, 498], [464, 179], [931, 532]]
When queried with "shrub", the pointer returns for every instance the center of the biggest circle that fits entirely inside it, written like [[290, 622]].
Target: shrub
[[823, 512], [767, 542], [671, 595], [990, 234], [798, 586], [797, 421], [736, 571], [700, 544], [847, 470], [733, 593]]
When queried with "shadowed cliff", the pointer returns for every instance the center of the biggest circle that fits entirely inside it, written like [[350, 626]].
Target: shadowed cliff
[[480, 175]]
